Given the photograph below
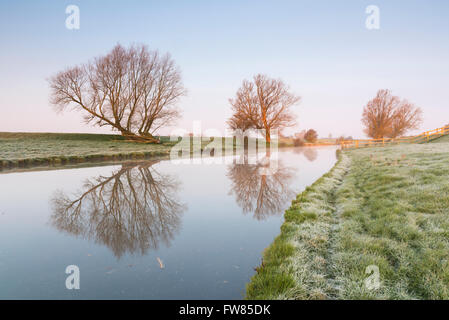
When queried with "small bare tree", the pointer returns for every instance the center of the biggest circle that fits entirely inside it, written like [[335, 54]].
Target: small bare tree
[[389, 116], [132, 90], [263, 103], [298, 139]]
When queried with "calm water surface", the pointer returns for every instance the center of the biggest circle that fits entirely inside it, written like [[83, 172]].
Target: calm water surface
[[151, 230]]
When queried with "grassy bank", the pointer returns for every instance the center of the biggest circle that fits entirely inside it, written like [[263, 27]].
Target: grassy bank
[[33, 149], [384, 207], [29, 150]]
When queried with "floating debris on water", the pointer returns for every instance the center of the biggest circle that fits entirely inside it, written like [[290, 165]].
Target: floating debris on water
[[161, 264]]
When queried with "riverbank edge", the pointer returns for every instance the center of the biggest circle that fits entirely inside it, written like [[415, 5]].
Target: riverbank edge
[[294, 264], [61, 161], [95, 158]]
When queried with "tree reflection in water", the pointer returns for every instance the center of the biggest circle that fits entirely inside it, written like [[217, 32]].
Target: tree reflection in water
[[262, 194], [131, 211], [310, 153]]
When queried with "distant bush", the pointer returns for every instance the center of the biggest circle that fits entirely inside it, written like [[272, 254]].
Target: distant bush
[[343, 138], [298, 142], [311, 136], [298, 139]]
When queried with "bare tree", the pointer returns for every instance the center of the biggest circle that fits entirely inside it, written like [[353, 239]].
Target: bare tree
[[298, 138], [263, 103], [389, 116], [132, 90]]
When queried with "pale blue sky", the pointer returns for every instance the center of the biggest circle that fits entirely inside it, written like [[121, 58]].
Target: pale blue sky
[[320, 48]]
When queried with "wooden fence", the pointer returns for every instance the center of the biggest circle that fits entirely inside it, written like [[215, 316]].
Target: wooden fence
[[423, 137]]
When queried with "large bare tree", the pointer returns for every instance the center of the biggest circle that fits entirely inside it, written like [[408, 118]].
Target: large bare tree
[[133, 90], [389, 116], [263, 103]]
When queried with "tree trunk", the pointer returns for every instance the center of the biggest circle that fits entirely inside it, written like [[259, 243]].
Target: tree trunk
[[267, 136], [139, 138]]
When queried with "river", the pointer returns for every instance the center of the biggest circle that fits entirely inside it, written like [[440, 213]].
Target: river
[[146, 230]]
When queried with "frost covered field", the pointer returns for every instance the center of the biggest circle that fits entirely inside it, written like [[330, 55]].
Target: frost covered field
[[31, 149], [375, 227]]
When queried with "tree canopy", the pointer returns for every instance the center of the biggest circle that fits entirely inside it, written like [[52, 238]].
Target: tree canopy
[[389, 116], [311, 136], [133, 90], [263, 103]]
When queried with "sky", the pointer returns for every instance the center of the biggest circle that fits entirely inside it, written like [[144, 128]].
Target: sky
[[321, 49]]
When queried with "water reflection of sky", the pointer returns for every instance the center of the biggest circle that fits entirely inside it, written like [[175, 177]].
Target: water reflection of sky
[[208, 224]]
